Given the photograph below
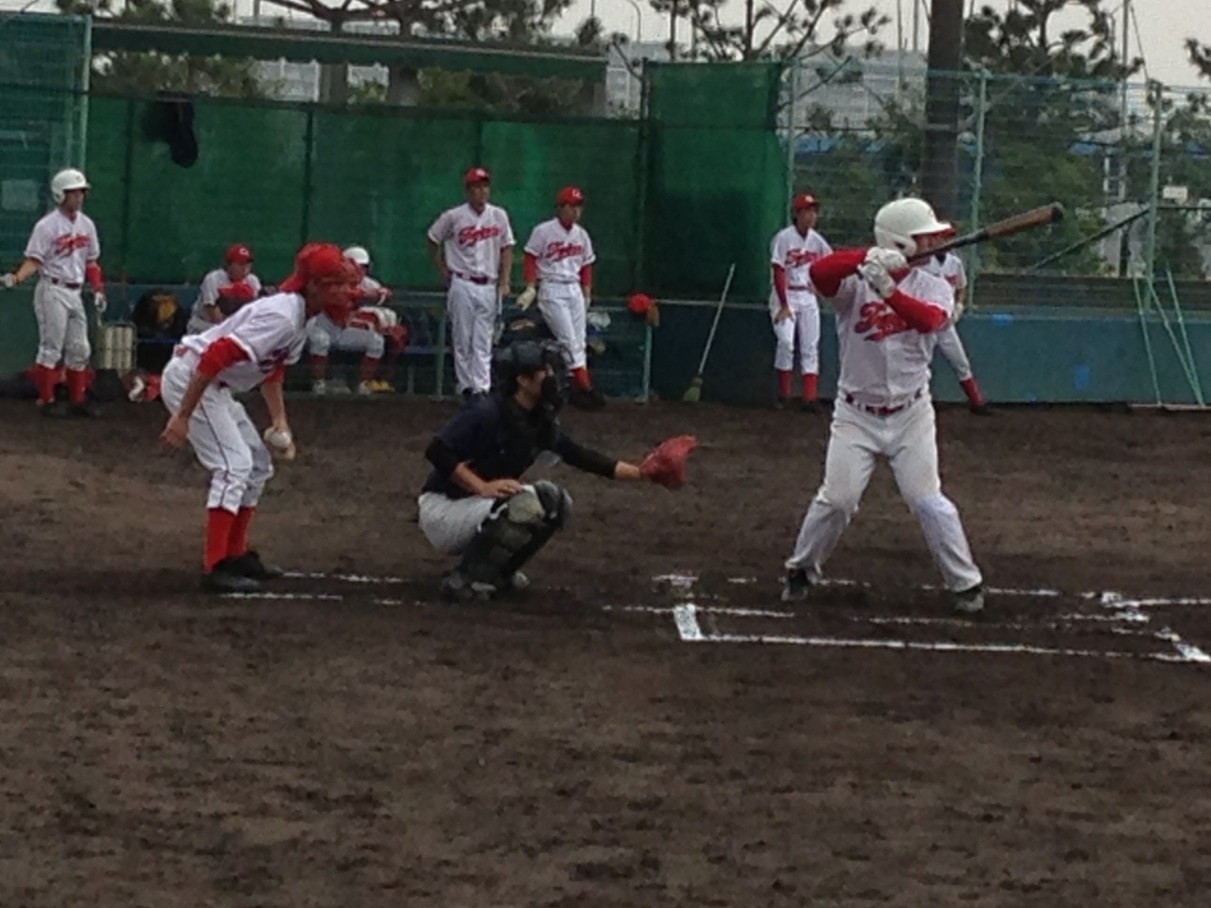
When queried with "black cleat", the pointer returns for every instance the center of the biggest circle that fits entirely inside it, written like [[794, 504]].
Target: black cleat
[[969, 602], [251, 566], [223, 579], [86, 410], [982, 409], [811, 406], [57, 409]]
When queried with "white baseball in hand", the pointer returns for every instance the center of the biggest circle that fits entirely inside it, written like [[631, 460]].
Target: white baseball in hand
[[281, 442], [100, 303], [9, 281]]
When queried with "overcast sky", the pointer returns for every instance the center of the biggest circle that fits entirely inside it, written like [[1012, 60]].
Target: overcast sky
[[1163, 25]]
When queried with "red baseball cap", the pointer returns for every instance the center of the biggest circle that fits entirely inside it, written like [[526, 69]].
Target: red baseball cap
[[803, 201], [238, 254], [569, 195], [476, 175]]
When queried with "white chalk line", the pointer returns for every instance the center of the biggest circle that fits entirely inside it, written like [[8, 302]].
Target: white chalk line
[[690, 631]]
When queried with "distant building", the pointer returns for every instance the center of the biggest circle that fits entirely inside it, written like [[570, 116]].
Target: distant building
[[624, 74], [853, 90]]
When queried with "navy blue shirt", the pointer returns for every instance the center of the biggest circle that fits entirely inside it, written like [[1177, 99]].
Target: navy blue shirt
[[498, 439]]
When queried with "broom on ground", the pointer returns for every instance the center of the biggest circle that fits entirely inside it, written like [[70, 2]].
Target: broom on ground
[[693, 393]]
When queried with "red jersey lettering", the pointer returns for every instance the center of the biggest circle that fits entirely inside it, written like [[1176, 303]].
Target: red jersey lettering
[[878, 321]]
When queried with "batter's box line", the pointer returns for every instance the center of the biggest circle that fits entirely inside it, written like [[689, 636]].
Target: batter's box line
[[690, 631]]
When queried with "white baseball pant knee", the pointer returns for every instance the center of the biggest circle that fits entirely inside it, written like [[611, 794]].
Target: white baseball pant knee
[[563, 309], [951, 347], [224, 440], [320, 334], [947, 541], [472, 309], [62, 327]]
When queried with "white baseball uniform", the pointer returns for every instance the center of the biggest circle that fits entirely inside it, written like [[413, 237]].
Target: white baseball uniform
[[63, 246], [472, 244], [794, 252], [208, 295], [271, 331], [560, 253], [949, 344], [883, 408]]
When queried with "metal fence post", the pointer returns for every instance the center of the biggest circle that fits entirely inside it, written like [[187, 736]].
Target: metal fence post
[[1154, 189], [977, 179], [308, 163], [793, 88]]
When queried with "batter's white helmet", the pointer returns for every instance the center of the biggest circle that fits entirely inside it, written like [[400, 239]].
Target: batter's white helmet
[[358, 255], [898, 222], [64, 181]]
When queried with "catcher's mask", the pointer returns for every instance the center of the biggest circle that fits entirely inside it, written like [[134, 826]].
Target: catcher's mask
[[525, 358]]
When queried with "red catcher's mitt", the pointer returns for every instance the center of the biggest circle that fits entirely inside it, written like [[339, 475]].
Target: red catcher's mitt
[[666, 465]]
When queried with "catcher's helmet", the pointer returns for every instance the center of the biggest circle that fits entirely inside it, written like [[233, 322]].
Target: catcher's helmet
[[65, 181], [523, 357], [898, 223]]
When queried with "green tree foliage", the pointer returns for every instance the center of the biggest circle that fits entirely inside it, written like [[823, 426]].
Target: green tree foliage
[[1051, 122], [767, 32], [147, 73]]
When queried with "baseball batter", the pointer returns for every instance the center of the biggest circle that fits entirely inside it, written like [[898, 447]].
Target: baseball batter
[[471, 246], [793, 308], [888, 317], [63, 250], [949, 267], [225, 289], [371, 329], [251, 348], [558, 269]]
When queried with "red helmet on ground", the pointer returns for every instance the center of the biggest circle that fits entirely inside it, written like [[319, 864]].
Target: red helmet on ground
[[475, 176], [238, 254], [569, 195], [804, 201]]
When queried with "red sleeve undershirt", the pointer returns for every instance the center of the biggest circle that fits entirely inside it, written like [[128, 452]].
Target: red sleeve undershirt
[[96, 280], [828, 273], [529, 268], [586, 275], [780, 284], [917, 314], [218, 356]]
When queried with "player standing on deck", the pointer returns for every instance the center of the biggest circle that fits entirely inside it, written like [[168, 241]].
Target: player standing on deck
[[63, 250], [794, 310], [888, 316], [558, 269], [471, 246]]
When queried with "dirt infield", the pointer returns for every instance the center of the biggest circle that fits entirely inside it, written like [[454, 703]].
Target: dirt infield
[[610, 739]]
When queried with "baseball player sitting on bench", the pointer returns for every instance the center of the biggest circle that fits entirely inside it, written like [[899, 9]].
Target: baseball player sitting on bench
[[225, 290], [372, 330], [474, 503]]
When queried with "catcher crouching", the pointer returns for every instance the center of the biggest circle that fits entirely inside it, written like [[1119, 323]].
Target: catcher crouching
[[474, 503]]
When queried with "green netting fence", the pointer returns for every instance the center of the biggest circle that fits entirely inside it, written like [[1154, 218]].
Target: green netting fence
[[43, 110]]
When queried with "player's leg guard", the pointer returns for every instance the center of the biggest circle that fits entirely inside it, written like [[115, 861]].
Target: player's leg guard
[[513, 534]]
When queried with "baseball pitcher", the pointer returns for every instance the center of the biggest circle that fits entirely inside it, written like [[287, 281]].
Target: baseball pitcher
[[794, 311], [888, 317], [63, 250], [949, 267], [225, 290], [558, 269], [371, 329], [251, 348], [471, 246]]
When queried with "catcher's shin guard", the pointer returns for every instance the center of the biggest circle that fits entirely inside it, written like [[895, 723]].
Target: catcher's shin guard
[[514, 533]]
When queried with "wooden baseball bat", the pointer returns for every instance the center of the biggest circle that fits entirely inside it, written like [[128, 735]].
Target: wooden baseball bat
[[1027, 220]]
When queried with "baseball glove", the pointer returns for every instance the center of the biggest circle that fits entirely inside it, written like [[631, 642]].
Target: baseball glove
[[666, 464]]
